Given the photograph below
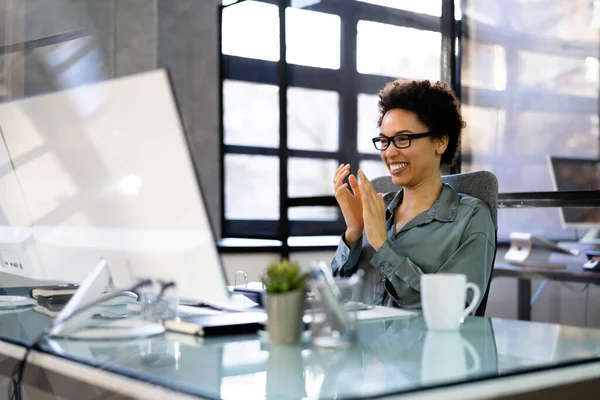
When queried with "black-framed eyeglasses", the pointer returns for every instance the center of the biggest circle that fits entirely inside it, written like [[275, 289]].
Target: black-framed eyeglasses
[[400, 140]]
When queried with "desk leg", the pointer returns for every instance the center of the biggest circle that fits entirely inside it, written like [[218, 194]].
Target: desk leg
[[523, 299]]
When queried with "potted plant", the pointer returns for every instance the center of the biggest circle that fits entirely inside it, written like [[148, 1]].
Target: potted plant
[[284, 298]]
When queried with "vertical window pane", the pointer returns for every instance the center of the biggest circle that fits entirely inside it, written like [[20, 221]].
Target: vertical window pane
[[521, 162], [312, 38], [576, 76], [540, 133], [552, 50], [310, 177], [487, 70], [368, 114], [397, 51], [483, 138], [430, 7], [251, 187], [575, 20], [251, 29], [314, 213], [313, 119], [251, 114]]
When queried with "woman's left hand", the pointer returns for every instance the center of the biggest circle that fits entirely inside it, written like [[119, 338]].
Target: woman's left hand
[[373, 213]]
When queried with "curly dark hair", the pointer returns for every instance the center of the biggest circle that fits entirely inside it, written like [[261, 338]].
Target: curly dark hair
[[434, 103]]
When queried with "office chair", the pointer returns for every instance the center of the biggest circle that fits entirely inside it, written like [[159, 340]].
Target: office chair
[[482, 185]]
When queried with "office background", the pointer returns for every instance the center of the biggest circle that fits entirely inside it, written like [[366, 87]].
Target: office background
[[528, 77]]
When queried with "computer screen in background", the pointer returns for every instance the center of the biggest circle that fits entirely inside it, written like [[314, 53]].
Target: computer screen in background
[[103, 170], [573, 174]]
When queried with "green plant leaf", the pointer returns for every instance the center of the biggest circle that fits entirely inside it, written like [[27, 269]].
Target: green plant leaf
[[284, 276]]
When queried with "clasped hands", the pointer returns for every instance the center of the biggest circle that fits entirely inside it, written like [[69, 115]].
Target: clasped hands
[[363, 208]]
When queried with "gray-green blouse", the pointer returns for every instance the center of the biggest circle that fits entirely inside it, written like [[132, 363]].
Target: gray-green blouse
[[456, 235]]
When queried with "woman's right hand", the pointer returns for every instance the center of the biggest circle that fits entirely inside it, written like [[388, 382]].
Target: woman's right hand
[[350, 204]]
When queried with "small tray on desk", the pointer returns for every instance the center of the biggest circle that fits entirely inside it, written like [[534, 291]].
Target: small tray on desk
[[252, 290], [253, 294]]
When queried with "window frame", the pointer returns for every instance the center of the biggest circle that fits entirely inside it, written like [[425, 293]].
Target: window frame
[[286, 75], [346, 81]]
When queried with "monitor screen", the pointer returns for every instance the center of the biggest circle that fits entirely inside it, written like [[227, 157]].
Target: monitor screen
[[104, 170], [573, 174]]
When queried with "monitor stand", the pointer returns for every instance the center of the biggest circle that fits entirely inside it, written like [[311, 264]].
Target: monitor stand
[[591, 237], [72, 324]]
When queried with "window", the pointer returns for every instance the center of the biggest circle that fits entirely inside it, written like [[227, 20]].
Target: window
[[331, 104], [251, 187], [251, 117], [313, 38], [317, 182], [397, 51], [483, 138], [571, 21], [560, 74], [530, 88], [431, 7], [313, 119], [367, 122], [489, 65], [251, 29]]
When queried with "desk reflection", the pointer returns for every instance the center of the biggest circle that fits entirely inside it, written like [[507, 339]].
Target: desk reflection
[[405, 351], [391, 355], [395, 354]]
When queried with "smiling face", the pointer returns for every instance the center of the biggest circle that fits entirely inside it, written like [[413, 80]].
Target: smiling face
[[420, 161]]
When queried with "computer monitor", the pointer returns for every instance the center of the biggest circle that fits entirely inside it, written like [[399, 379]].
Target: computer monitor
[[104, 171], [572, 174]]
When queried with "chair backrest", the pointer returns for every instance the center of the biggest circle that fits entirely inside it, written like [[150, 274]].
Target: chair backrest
[[482, 185]]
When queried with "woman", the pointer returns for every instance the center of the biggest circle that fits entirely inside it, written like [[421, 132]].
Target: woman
[[427, 227]]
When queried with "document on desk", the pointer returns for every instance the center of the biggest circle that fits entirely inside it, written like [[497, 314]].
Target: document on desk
[[184, 310], [380, 312]]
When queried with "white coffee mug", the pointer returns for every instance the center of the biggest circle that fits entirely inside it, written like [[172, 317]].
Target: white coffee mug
[[445, 359], [443, 298]]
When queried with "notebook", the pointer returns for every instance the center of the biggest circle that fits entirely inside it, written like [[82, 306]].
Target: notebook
[[233, 323], [54, 294]]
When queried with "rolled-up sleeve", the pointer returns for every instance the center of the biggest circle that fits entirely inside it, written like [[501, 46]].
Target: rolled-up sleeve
[[401, 273], [345, 260]]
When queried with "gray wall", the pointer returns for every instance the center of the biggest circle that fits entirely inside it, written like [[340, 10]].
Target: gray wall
[[123, 37]]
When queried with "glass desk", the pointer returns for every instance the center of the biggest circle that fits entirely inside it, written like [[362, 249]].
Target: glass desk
[[394, 356]]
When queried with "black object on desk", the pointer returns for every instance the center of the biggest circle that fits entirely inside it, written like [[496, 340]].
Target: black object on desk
[[253, 294], [59, 294], [233, 323], [593, 262]]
